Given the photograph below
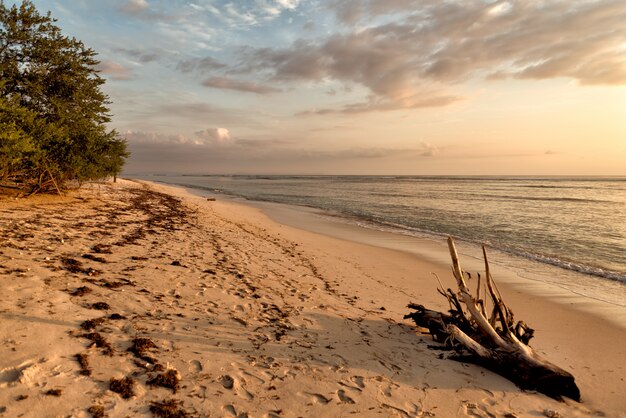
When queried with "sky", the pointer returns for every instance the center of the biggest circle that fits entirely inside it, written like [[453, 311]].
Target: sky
[[402, 87]]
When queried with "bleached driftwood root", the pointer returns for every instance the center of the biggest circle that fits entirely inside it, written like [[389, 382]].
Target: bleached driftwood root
[[493, 341]]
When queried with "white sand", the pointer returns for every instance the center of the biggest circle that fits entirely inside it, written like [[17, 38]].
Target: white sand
[[259, 318]]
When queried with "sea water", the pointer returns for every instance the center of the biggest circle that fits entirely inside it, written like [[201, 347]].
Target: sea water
[[575, 225]]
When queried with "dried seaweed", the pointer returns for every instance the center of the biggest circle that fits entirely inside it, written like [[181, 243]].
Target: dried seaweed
[[53, 392], [95, 258], [141, 348], [100, 342], [168, 409], [125, 386], [96, 411], [101, 249], [75, 266], [92, 323], [83, 360], [170, 380], [81, 291]]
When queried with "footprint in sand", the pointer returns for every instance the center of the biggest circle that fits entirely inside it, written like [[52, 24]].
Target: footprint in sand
[[195, 366], [318, 398], [226, 381], [359, 381], [341, 394]]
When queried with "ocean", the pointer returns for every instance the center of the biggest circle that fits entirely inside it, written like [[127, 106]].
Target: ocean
[[577, 225]]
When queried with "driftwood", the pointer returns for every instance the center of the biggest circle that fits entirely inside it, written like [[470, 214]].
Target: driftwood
[[492, 340]]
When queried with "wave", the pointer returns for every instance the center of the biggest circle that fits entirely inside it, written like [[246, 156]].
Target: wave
[[542, 199], [392, 227]]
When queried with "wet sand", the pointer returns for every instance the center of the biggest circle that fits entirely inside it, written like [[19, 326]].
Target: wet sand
[[125, 296]]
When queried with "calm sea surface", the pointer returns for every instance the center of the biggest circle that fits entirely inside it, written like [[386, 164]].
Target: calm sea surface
[[576, 224]]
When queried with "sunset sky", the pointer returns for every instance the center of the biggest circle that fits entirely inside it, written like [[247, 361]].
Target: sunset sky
[[362, 86]]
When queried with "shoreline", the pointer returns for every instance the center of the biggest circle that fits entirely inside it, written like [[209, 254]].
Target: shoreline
[[257, 317], [432, 250]]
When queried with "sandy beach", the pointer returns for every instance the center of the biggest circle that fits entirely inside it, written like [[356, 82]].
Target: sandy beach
[[133, 299]]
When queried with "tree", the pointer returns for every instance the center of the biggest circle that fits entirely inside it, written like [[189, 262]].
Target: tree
[[53, 114]]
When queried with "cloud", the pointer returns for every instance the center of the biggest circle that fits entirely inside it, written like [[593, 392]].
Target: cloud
[[429, 150], [429, 47], [200, 65], [114, 70], [219, 142], [219, 136], [141, 9], [133, 7], [375, 104], [226, 83], [139, 55]]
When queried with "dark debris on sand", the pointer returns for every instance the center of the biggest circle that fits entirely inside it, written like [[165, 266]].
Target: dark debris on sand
[[92, 323], [100, 342], [168, 409], [101, 249], [96, 411], [81, 291], [83, 361], [170, 380], [95, 258], [75, 266], [101, 306], [141, 347], [54, 392], [125, 387]]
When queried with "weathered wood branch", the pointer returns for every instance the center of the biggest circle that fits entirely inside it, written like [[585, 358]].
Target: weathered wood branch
[[503, 350]]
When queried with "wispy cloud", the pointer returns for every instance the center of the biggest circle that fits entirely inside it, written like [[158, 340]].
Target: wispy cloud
[[114, 70], [134, 7], [200, 65], [226, 83]]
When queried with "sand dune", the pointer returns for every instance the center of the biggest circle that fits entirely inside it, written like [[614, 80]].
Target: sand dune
[[163, 296]]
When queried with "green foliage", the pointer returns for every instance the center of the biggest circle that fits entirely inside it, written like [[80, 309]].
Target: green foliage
[[53, 114]]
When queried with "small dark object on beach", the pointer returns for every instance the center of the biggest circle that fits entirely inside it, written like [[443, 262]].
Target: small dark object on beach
[[177, 264], [71, 265], [83, 360], [142, 346], [114, 284], [100, 342], [125, 387], [75, 266], [138, 258], [141, 349], [168, 409], [101, 306], [21, 397], [382, 308], [96, 411], [169, 379], [95, 258], [210, 199], [116, 316], [210, 271], [81, 291], [53, 392], [101, 249], [91, 323]]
